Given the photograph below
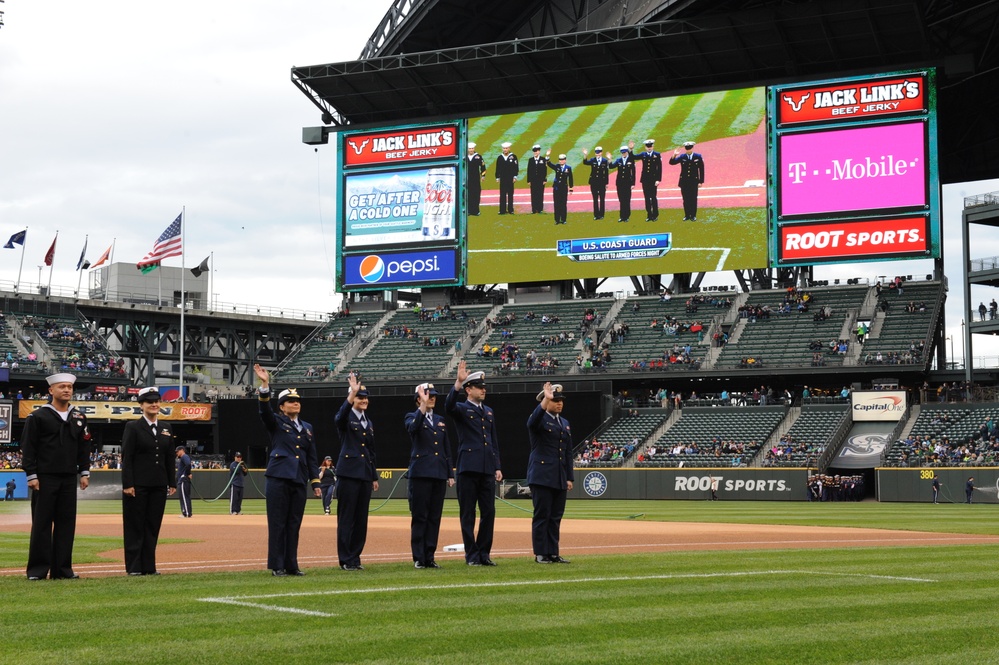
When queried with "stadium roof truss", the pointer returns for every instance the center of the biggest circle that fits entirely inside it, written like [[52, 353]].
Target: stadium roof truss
[[466, 70]]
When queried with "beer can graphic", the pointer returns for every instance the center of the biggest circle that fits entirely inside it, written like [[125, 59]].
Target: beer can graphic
[[438, 203]]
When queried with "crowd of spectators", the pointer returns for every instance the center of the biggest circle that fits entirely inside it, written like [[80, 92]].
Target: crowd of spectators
[[788, 452], [911, 356], [102, 460], [10, 460], [596, 451], [981, 450]]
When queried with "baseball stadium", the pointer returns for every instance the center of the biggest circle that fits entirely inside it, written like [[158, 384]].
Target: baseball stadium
[[772, 457]]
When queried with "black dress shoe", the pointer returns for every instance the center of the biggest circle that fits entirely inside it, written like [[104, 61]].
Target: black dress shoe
[[432, 564], [152, 572], [558, 559], [279, 572], [488, 562], [351, 567], [297, 573], [74, 576], [135, 574], [542, 559], [35, 578], [474, 563]]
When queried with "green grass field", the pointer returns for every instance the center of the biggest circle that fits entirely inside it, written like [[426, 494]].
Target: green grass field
[[876, 605]]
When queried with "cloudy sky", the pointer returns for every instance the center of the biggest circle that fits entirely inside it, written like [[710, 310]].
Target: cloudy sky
[[116, 114]]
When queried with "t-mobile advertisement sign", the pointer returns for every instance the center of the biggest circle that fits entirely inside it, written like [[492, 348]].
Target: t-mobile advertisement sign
[[870, 238], [849, 170]]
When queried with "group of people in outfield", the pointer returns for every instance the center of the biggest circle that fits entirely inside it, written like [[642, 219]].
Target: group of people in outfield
[[56, 457], [507, 173]]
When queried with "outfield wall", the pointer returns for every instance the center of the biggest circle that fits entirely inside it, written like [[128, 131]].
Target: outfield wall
[[917, 484], [673, 484], [902, 485]]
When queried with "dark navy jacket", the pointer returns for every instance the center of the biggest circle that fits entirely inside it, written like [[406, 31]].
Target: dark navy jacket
[[478, 445], [357, 456], [429, 456], [550, 463], [147, 460], [50, 444], [292, 454]]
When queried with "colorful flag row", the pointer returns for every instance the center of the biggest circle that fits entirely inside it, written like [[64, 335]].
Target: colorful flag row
[[169, 243]]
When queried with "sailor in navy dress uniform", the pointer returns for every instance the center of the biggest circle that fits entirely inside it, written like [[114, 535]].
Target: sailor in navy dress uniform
[[292, 467], [184, 466], [691, 177], [430, 474], [652, 175], [537, 176], [599, 176], [625, 180], [356, 472], [55, 448], [475, 171], [146, 479], [561, 188], [507, 170], [478, 464], [549, 472], [237, 482]]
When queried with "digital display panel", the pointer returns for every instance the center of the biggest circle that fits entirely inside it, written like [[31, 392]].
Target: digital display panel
[[864, 168], [853, 169], [399, 206], [848, 239], [398, 146], [853, 100], [394, 269], [625, 212], [808, 172]]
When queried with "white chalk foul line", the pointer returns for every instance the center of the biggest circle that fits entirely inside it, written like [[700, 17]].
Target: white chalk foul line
[[246, 601]]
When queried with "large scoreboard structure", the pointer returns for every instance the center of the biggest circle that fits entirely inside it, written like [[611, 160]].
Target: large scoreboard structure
[[816, 171]]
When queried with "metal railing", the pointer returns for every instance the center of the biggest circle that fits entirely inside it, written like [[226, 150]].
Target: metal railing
[[213, 307], [989, 199]]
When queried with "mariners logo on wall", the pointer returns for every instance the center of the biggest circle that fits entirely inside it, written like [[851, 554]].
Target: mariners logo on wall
[[595, 483]]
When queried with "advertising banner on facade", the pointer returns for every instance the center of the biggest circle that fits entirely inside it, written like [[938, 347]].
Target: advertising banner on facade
[[881, 405], [126, 410]]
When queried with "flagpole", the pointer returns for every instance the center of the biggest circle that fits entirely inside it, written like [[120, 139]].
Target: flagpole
[[183, 298], [211, 280], [79, 268], [159, 285], [48, 290], [17, 287], [110, 263]]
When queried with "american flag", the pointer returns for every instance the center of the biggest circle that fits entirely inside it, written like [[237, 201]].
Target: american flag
[[167, 245]]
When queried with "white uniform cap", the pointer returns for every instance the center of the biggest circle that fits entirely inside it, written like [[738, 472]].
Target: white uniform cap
[[562, 156], [536, 147], [287, 394], [624, 148], [598, 149], [649, 141], [471, 146], [506, 144], [474, 377], [60, 378], [688, 144], [146, 391], [426, 386], [556, 392]]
